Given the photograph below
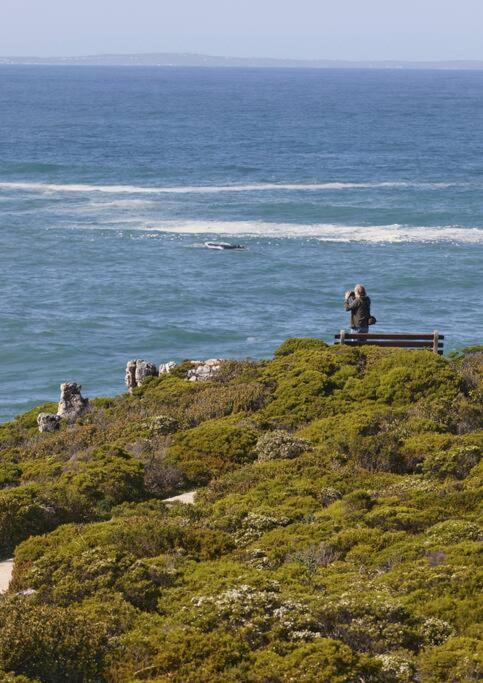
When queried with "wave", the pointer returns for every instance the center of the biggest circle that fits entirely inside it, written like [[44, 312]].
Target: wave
[[123, 203], [215, 189], [326, 232]]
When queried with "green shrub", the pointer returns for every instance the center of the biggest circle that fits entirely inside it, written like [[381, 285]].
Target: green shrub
[[256, 612], [294, 344], [41, 470], [304, 381], [212, 448], [376, 623], [278, 445], [12, 678], [397, 668], [75, 562], [454, 531], [10, 474], [51, 643], [161, 424], [359, 500], [215, 400], [355, 560], [400, 378], [22, 513], [370, 436], [179, 653], [324, 660], [401, 518], [111, 477], [98, 569], [160, 479], [459, 659], [458, 462], [419, 446]]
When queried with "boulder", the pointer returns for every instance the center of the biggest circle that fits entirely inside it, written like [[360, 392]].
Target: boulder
[[137, 371], [72, 404], [204, 370], [48, 422], [165, 368]]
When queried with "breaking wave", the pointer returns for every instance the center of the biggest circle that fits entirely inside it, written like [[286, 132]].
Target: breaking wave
[[326, 232], [214, 189]]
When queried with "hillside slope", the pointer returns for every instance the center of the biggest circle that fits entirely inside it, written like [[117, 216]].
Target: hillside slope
[[334, 536]]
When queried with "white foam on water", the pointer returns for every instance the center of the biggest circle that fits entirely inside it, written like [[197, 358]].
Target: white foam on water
[[120, 203], [213, 189], [325, 232]]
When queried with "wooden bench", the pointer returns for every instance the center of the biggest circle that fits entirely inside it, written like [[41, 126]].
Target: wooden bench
[[434, 341]]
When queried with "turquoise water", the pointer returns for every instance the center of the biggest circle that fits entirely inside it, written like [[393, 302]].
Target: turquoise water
[[111, 179]]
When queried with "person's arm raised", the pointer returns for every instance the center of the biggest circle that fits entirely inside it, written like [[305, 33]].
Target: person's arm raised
[[350, 305]]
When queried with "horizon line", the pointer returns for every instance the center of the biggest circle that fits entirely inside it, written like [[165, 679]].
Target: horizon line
[[202, 59]]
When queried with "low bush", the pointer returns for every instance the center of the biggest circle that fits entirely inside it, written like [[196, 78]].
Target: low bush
[[50, 643], [23, 512], [457, 462], [337, 538], [161, 424], [458, 659], [212, 448], [324, 660], [278, 445]]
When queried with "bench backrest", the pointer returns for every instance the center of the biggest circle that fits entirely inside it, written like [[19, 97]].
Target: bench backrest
[[434, 341]]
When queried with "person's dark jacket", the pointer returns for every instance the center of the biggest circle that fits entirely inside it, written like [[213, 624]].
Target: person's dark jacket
[[360, 309]]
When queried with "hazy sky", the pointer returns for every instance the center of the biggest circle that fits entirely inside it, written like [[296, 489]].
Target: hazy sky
[[334, 29]]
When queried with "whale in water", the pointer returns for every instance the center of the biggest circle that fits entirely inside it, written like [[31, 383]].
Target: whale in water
[[223, 245]]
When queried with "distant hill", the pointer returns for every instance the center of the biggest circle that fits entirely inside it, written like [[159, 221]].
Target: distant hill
[[199, 60]]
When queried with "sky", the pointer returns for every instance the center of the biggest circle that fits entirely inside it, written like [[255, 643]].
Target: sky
[[304, 29]]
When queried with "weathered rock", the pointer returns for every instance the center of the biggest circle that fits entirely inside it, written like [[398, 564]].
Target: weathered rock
[[165, 368], [204, 370], [48, 422], [72, 404], [137, 371]]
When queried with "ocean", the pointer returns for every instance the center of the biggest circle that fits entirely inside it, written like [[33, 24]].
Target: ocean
[[112, 179]]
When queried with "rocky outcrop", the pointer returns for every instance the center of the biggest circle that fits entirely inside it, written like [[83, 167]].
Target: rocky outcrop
[[200, 369], [194, 370], [48, 422], [72, 404], [165, 368], [137, 371], [203, 370]]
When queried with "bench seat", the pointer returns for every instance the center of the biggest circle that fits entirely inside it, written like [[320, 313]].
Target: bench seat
[[433, 342]]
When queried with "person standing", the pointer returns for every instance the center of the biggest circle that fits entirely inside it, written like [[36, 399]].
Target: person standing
[[359, 305]]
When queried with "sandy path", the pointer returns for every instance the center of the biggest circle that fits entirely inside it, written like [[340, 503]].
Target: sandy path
[[6, 569], [188, 498]]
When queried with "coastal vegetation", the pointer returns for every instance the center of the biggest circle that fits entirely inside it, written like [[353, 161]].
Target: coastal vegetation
[[334, 535]]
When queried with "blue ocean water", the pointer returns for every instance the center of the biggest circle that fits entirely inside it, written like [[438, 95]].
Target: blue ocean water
[[111, 180]]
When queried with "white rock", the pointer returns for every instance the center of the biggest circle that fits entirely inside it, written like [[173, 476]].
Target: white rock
[[165, 368], [137, 371], [48, 422], [72, 405], [204, 370]]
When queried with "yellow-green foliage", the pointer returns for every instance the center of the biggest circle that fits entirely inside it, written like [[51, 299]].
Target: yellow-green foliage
[[50, 643], [212, 448], [335, 536]]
